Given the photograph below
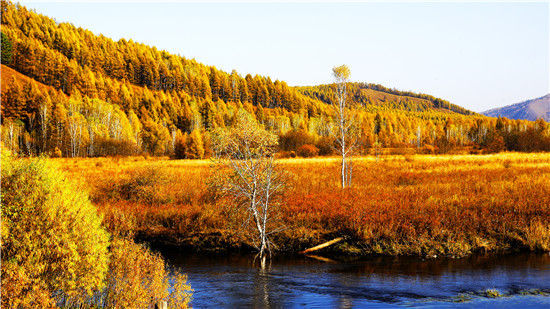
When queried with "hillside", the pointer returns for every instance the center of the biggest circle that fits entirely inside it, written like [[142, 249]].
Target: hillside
[[377, 97], [70, 58], [528, 110], [24, 105], [8, 75], [76, 93]]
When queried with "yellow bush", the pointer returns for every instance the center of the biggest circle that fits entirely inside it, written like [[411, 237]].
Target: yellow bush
[[53, 243], [137, 278], [55, 251]]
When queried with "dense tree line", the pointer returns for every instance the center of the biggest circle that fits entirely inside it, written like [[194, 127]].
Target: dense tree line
[[91, 96]]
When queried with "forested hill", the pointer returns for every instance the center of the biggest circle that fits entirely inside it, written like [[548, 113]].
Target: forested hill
[[76, 93], [377, 97], [74, 59]]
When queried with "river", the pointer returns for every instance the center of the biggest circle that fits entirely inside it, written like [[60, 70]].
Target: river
[[523, 280]]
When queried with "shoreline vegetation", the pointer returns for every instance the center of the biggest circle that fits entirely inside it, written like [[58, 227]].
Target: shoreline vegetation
[[57, 253], [417, 205]]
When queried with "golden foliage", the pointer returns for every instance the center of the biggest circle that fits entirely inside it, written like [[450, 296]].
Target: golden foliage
[[55, 252], [52, 239], [137, 278], [414, 204], [132, 98]]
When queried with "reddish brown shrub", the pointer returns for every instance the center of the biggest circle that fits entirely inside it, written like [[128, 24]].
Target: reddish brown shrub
[[308, 151]]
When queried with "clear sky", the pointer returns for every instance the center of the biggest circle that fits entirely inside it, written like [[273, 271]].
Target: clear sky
[[477, 55]]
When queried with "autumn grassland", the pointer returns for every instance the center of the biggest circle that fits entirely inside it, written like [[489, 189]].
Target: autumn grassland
[[398, 205]]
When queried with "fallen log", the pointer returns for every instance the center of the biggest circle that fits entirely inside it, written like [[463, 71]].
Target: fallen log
[[323, 245]]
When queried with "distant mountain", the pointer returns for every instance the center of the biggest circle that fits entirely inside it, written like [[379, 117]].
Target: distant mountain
[[528, 110]]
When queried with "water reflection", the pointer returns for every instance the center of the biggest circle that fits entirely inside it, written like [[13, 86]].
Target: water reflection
[[262, 295], [234, 281]]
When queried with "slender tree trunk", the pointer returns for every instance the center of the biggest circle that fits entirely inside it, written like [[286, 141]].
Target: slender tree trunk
[[257, 220], [341, 74], [343, 170]]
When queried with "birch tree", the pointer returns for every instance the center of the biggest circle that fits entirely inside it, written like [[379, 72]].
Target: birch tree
[[14, 130], [346, 137], [253, 183], [75, 134], [92, 127], [116, 128], [75, 127], [43, 114], [136, 128], [173, 144]]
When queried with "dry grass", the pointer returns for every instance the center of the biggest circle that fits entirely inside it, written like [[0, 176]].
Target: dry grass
[[419, 205]]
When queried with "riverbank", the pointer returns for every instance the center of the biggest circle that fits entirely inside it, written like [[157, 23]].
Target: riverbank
[[399, 205], [220, 244]]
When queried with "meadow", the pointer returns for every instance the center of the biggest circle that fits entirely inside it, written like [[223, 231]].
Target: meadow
[[449, 205]]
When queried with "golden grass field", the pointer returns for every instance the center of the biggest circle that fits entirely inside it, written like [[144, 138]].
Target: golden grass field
[[416, 205]]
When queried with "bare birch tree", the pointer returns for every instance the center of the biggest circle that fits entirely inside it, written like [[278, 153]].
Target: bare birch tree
[[347, 138], [253, 183]]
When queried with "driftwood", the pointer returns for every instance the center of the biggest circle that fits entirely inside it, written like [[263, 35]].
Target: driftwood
[[323, 245]]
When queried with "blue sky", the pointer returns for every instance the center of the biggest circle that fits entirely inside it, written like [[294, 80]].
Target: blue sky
[[477, 55]]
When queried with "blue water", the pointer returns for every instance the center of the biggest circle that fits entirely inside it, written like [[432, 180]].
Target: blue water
[[236, 282]]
